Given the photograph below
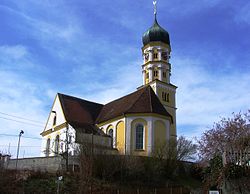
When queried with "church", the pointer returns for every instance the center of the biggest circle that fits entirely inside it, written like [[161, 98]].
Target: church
[[133, 124]]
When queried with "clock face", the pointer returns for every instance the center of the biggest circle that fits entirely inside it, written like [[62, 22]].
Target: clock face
[[164, 56], [146, 56]]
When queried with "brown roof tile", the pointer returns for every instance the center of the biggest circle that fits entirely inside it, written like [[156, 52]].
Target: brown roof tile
[[78, 111], [143, 100]]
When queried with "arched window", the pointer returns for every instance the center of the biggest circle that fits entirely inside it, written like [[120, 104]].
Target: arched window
[[155, 73], [155, 55], [139, 137], [57, 144], [47, 147], [110, 133]]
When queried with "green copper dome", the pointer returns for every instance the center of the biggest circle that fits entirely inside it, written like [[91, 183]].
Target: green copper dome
[[155, 33]]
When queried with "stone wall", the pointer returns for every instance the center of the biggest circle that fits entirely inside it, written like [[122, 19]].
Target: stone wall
[[50, 164]]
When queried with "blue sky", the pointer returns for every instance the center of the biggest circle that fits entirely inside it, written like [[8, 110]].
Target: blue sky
[[92, 49]]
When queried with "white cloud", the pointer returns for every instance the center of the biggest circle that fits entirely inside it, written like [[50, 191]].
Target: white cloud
[[203, 97], [21, 98], [243, 14], [16, 51]]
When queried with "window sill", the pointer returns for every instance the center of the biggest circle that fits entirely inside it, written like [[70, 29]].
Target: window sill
[[139, 150]]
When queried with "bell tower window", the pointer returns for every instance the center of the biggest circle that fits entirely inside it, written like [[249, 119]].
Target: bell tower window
[[165, 96], [164, 74], [155, 55], [155, 73]]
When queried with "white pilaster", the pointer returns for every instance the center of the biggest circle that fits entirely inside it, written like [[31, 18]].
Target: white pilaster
[[150, 71], [128, 136], [143, 76], [160, 73], [150, 55], [150, 136]]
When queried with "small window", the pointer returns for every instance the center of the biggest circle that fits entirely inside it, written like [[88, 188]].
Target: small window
[[165, 96], [155, 55], [139, 137], [54, 120], [164, 56], [147, 75], [155, 73], [164, 74]]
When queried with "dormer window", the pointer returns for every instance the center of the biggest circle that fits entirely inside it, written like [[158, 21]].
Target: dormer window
[[155, 55]]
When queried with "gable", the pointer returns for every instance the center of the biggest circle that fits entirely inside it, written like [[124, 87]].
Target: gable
[[60, 118]]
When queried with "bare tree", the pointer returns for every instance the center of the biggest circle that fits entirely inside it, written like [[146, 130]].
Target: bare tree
[[228, 137], [180, 149], [225, 148]]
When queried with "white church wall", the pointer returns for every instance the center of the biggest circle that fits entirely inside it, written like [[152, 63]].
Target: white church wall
[[62, 141], [57, 111]]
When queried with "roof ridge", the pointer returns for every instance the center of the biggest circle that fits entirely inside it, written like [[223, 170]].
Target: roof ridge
[[123, 96], [145, 89], [78, 98]]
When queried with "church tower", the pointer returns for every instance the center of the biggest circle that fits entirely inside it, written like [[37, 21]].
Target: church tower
[[156, 68]]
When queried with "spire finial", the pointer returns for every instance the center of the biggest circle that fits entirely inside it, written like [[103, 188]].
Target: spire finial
[[155, 7]]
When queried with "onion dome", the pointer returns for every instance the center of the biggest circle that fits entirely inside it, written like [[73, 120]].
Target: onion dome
[[155, 33]]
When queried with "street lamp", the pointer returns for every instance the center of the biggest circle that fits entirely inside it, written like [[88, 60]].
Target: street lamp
[[20, 134]]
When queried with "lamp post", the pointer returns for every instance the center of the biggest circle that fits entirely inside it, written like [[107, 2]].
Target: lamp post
[[20, 134]]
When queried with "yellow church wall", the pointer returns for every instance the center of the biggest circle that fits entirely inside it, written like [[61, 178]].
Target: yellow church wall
[[118, 126], [134, 123], [146, 77], [160, 133], [120, 137], [171, 102], [170, 107], [173, 125]]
